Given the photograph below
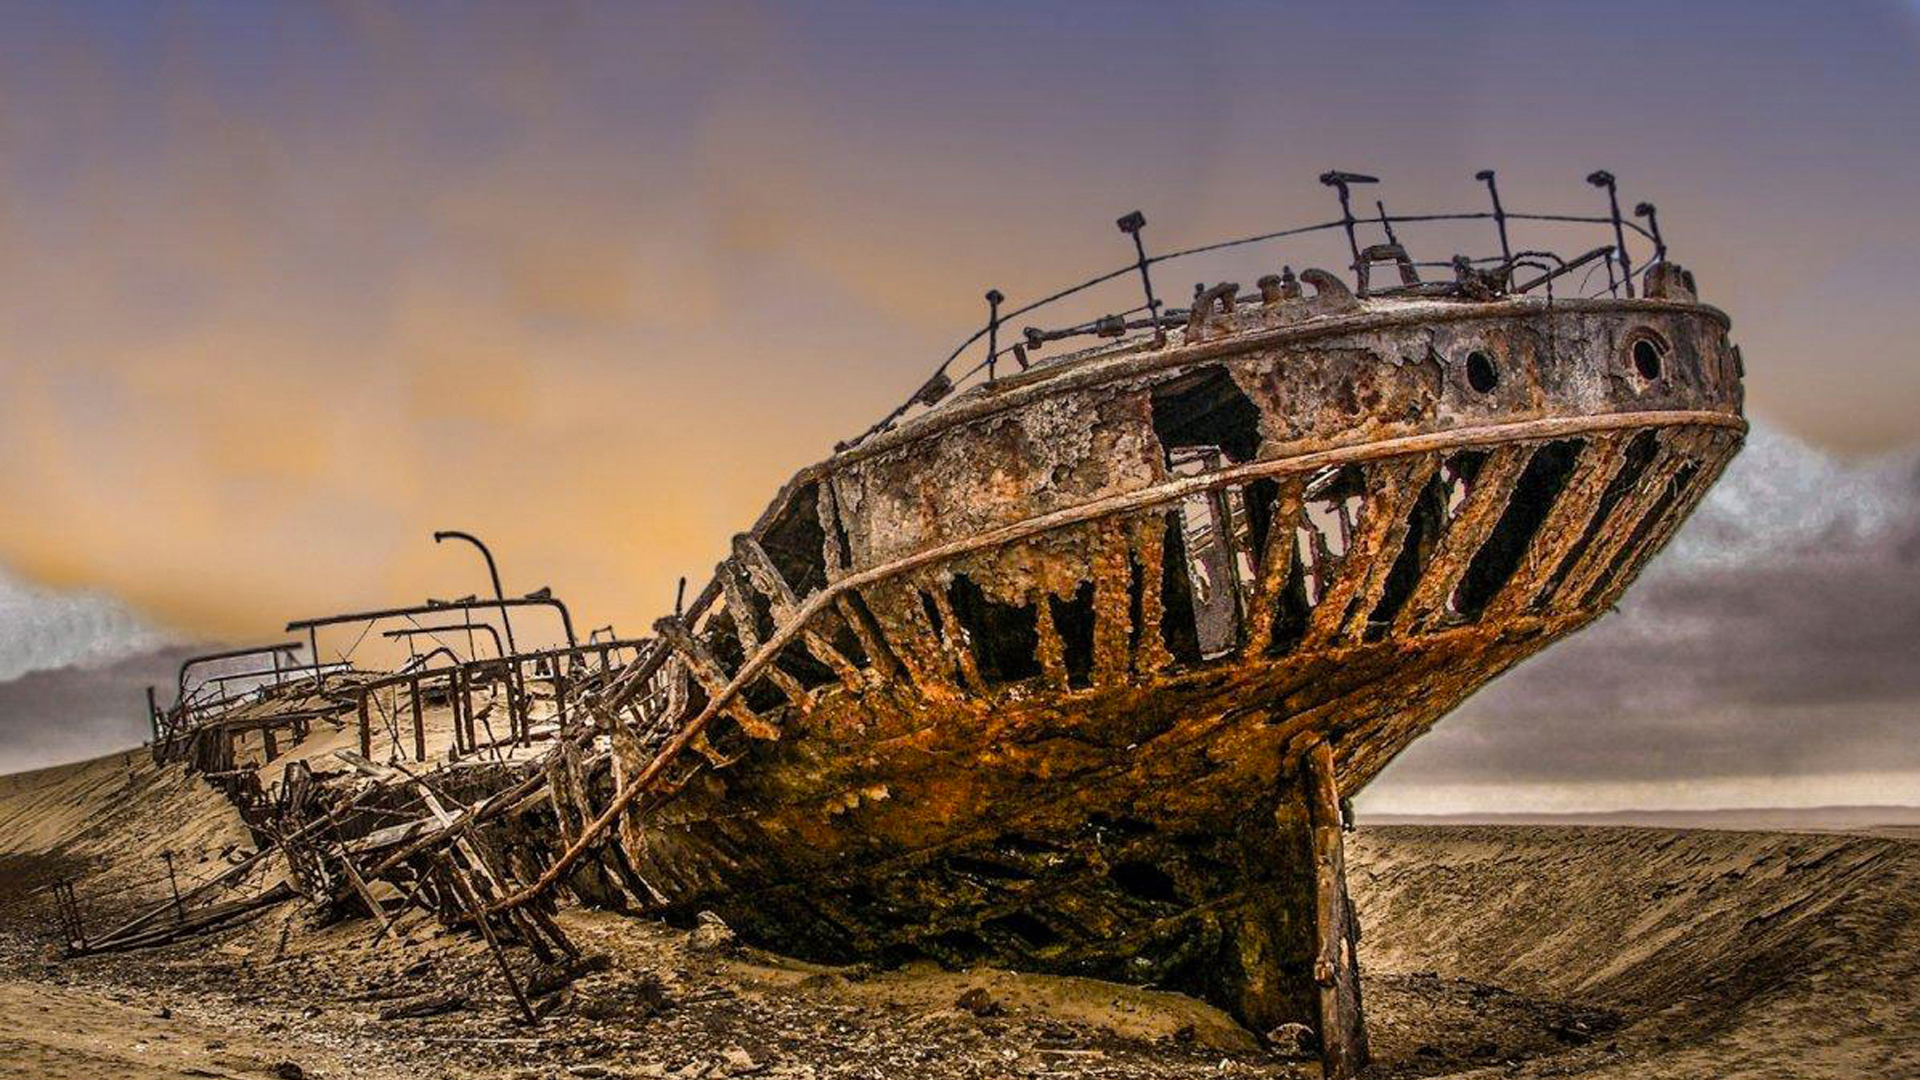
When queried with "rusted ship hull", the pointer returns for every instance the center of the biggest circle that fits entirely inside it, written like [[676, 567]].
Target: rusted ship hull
[[1055, 661], [1069, 671]]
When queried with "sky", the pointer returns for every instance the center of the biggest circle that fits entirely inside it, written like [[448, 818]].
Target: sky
[[284, 288]]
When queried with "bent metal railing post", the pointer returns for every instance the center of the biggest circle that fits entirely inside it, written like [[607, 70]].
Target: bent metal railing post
[[1499, 213], [1131, 224], [493, 572], [994, 297], [1340, 181], [1647, 211], [1601, 178]]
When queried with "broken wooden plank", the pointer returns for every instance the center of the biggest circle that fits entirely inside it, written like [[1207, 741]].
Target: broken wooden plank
[[766, 578]]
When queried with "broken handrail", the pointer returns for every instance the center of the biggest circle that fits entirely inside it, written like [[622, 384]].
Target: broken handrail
[[191, 713], [462, 675], [434, 607], [328, 667], [180, 682]]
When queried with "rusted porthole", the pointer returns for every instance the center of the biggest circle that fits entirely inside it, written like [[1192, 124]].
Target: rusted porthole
[[1481, 374], [1647, 352], [1646, 359]]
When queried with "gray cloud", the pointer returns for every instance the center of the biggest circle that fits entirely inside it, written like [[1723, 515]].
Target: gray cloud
[[76, 712], [1778, 636], [47, 628], [74, 666]]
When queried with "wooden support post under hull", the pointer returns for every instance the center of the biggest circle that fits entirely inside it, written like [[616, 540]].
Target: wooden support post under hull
[[1336, 967], [1289, 960]]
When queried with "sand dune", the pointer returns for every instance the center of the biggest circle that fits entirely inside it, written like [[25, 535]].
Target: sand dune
[[114, 812], [1735, 953]]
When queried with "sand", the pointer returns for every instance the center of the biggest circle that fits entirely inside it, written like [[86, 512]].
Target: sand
[[1732, 953], [1504, 950]]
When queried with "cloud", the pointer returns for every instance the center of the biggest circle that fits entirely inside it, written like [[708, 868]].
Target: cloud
[[1778, 636], [44, 628], [74, 666], [71, 713]]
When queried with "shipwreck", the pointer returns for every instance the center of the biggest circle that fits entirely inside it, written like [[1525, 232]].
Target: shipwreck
[[1070, 663]]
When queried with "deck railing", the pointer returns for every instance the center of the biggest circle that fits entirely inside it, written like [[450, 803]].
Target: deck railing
[[1515, 270]]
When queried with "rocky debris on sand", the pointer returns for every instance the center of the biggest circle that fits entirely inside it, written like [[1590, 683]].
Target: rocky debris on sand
[[548, 979], [1293, 1040], [622, 997], [980, 1003], [711, 934]]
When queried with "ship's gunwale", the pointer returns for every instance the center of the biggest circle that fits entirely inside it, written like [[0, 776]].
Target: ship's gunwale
[[1130, 360]]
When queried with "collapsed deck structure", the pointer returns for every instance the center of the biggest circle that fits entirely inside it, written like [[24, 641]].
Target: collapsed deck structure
[[1073, 669]]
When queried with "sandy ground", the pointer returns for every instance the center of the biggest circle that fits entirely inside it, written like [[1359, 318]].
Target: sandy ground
[[1726, 953], [1525, 951]]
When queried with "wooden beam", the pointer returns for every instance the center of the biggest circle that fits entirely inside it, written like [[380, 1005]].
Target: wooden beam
[[1336, 968], [467, 898], [712, 677], [419, 721], [360, 887]]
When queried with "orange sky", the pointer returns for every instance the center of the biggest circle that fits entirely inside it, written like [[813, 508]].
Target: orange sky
[[285, 293]]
